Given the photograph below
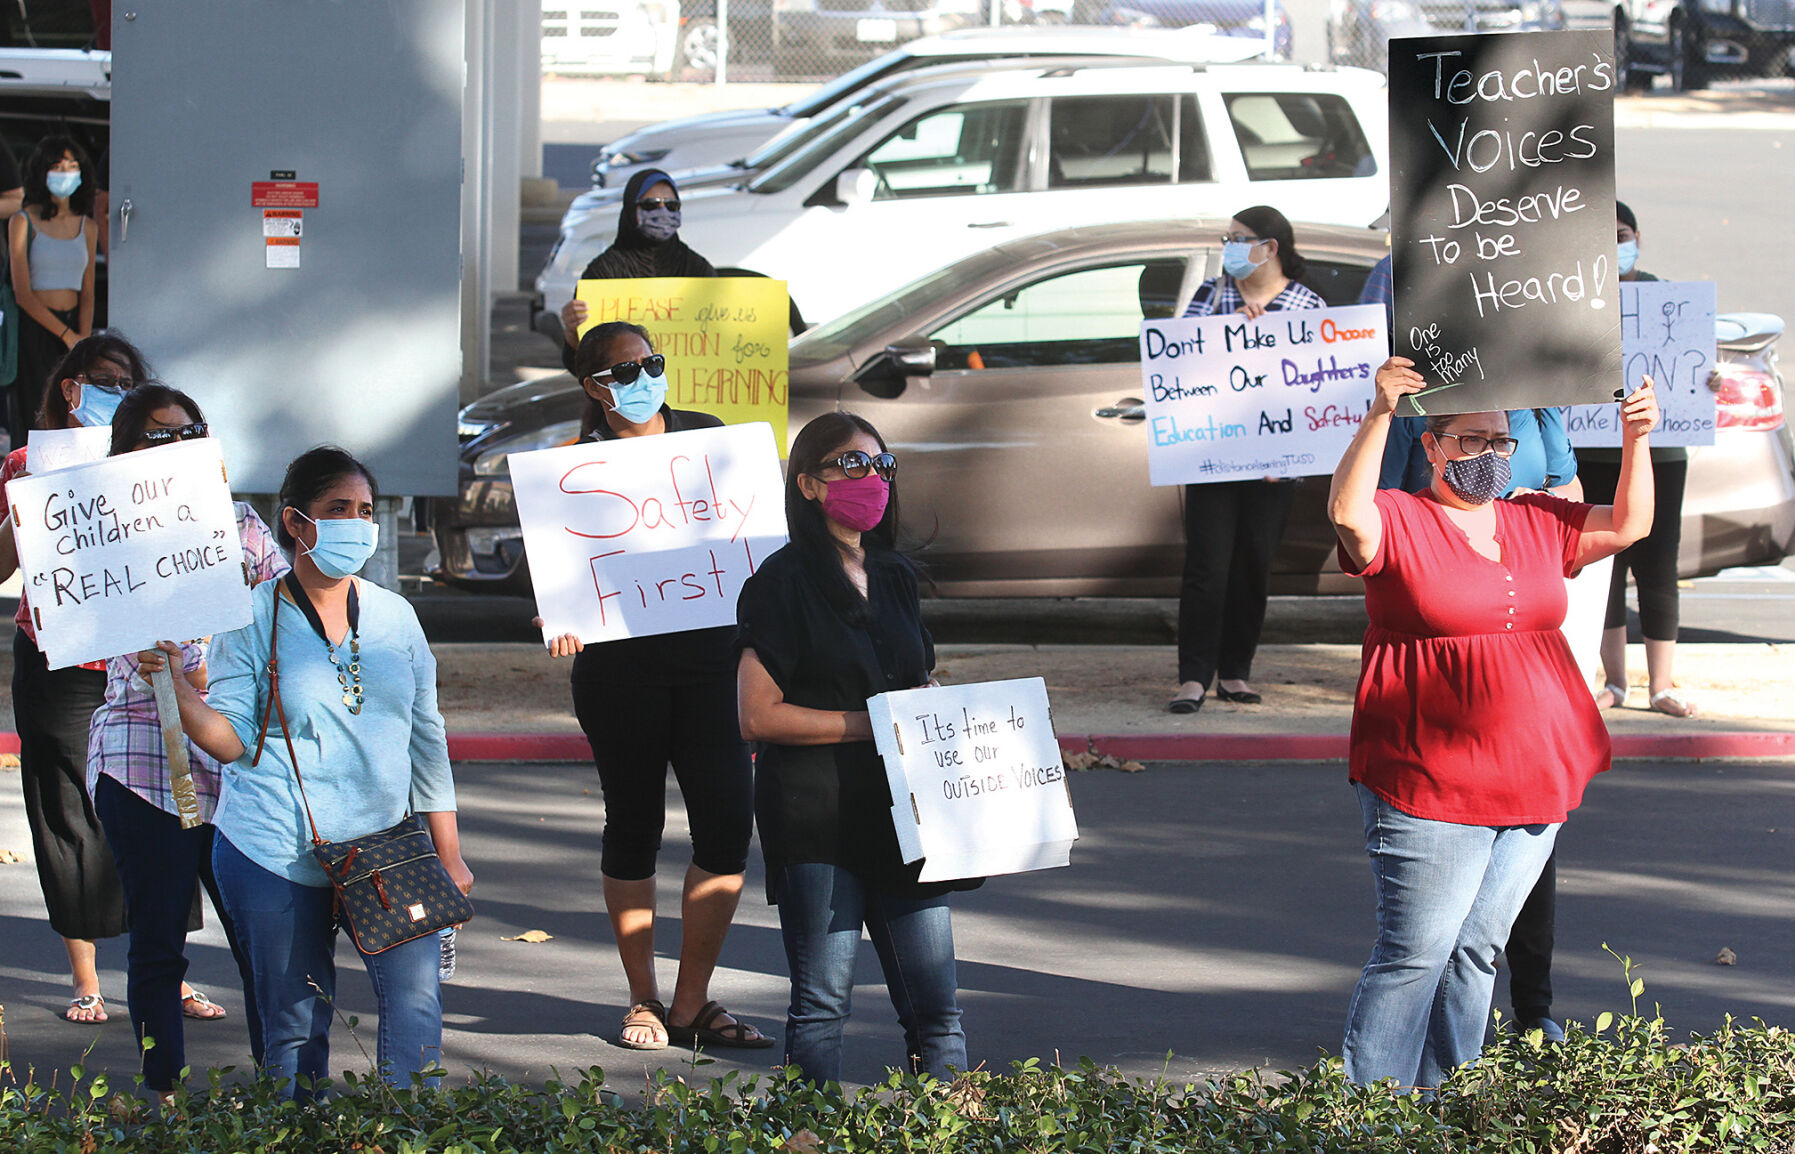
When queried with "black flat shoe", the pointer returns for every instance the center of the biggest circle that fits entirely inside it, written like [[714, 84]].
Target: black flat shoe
[[1246, 698], [1185, 704]]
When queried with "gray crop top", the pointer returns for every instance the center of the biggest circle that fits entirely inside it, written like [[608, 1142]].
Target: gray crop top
[[56, 264]]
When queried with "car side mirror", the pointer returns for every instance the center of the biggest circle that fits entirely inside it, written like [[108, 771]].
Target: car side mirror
[[888, 374], [856, 186]]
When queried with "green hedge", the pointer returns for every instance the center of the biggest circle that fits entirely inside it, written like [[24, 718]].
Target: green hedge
[[1622, 1087]]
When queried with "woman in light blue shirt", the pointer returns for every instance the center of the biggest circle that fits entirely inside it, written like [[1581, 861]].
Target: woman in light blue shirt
[[358, 687]]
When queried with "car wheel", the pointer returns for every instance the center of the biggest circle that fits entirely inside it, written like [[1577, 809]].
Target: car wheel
[[1688, 59], [698, 46]]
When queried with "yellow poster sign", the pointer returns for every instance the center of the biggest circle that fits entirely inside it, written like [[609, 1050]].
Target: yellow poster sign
[[724, 339]]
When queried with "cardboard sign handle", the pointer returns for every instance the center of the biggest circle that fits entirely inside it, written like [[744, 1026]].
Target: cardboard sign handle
[[899, 734]]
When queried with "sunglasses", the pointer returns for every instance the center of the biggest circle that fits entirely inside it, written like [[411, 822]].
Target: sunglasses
[[154, 437], [1473, 445], [626, 372], [857, 464], [671, 202]]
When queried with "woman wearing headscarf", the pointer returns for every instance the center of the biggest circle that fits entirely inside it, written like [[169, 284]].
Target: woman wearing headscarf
[[647, 245]]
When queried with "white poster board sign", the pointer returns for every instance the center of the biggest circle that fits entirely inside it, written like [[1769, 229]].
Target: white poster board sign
[[1667, 334], [1232, 399], [647, 535], [121, 553], [51, 449], [977, 782]]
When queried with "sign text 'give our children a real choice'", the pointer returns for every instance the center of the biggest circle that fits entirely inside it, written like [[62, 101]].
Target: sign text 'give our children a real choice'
[[123, 552], [648, 535], [1232, 399], [977, 781]]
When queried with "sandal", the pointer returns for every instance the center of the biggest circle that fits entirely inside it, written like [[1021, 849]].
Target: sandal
[[1617, 692], [703, 1031], [1672, 703], [200, 1008], [648, 1015], [92, 1005]]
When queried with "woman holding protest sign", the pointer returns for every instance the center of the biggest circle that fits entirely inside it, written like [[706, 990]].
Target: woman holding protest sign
[[1472, 735], [1232, 528], [159, 862], [357, 693], [645, 703], [52, 707], [827, 622]]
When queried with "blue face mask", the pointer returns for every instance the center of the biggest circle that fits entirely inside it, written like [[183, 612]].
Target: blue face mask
[[344, 545], [1237, 259], [1627, 255], [97, 404], [62, 183], [638, 401], [658, 224]]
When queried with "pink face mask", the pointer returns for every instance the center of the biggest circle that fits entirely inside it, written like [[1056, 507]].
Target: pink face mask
[[857, 503]]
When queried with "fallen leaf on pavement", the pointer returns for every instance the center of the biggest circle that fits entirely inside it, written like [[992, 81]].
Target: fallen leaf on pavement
[[1726, 957], [530, 936], [9, 857], [1131, 767]]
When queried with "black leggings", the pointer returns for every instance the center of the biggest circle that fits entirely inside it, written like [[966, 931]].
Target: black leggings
[[1653, 558], [1231, 531], [635, 731]]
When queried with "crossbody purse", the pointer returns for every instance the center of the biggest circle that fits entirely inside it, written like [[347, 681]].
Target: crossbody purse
[[391, 887]]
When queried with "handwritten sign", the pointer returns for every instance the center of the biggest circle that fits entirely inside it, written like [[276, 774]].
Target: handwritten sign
[[646, 535], [977, 783], [1667, 334], [121, 553], [51, 449], [1230, 399], [1502, 219], [724, 339]]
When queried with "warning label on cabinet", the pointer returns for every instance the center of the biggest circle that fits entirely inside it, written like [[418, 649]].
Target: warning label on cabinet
[[283, 193]]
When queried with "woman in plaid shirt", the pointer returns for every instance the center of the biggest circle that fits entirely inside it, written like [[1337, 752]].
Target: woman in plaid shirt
[[127, 777]]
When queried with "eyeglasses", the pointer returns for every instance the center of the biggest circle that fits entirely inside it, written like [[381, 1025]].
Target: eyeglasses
[[103, 381], [154, 437], [626, 372], [1475, 445], [857, 464], [671, 202], [1226, 239]]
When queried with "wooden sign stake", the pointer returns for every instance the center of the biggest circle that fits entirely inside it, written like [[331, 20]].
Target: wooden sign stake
[[174, 742]]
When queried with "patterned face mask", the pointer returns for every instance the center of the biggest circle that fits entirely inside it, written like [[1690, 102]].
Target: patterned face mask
[[1480, 479]]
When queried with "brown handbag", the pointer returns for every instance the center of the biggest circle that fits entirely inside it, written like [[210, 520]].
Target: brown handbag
[[391, 887]]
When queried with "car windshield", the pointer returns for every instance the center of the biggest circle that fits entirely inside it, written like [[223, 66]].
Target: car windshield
[[869, 73], [788, 143], [853, 328], [823, 146]]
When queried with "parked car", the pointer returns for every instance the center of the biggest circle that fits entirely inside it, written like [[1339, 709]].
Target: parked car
[[750, 35], [932, 168], [1359, 31], [1695, 41], [719, 138], [1243, 19], [611, 37], [1050, 431]]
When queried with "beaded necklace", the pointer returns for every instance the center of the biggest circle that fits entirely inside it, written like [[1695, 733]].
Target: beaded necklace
[[348, 675]]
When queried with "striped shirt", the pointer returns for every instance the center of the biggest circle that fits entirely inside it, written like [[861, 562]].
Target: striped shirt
[[124, 740]]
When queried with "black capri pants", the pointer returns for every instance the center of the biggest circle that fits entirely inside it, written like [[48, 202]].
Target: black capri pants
[[1653, 558], [635, 732]]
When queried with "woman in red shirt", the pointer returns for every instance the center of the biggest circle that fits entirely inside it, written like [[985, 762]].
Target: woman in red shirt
[[1473, 735]]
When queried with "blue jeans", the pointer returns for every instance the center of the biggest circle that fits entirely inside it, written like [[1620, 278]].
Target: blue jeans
[[158, 865], [1446, 897], [289, 932], [821, 910]]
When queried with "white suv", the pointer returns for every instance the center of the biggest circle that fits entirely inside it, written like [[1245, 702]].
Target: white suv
[[939, 164]]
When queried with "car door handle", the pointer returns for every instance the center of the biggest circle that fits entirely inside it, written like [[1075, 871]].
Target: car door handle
[[989, 224], [1128, 409]]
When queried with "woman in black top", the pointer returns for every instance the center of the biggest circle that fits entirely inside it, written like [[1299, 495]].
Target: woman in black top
[[828, 621], [647, 245], [648, 701]]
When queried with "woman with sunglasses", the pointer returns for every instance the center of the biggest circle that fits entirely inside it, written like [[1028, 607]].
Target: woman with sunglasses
[[50, 251], [159, 862], [825, 623], [1473, 735], [647, 245], [52, 707], [1232, 528], [645, 703]]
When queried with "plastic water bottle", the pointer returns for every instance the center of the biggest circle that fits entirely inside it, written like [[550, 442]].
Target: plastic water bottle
[[446, 969]]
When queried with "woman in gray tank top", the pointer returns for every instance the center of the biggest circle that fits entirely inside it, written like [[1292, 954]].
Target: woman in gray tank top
[[50, 257]]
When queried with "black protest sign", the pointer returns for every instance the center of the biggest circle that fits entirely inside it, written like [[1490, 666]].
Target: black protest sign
[[1502, 219]]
